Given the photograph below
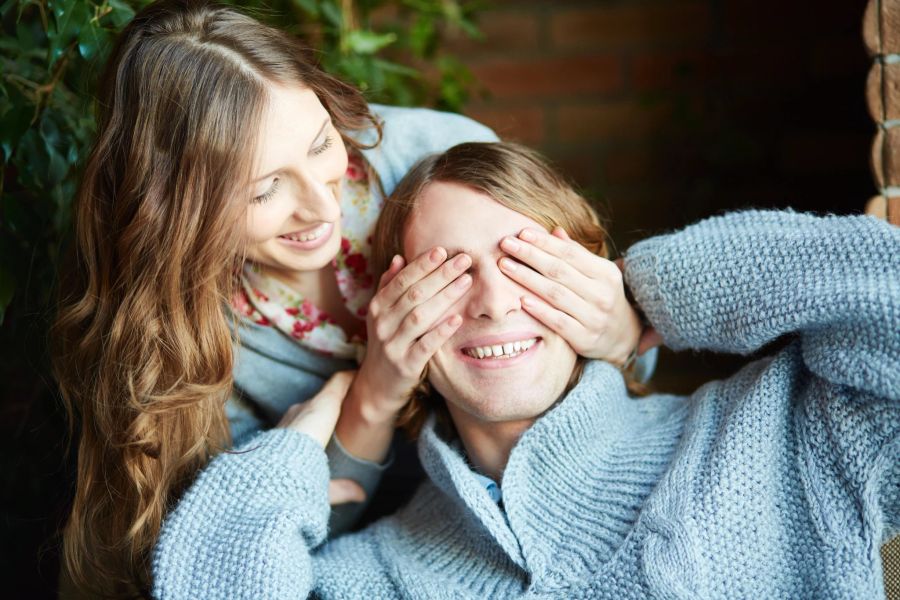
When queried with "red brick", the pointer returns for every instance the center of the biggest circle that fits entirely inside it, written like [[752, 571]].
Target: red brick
[[504, 31], [666, 70], [641, 25], [505, 78], [521, 124], [612, 120]]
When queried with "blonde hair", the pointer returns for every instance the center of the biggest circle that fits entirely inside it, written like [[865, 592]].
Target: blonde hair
[[514, 176], [143, 351]]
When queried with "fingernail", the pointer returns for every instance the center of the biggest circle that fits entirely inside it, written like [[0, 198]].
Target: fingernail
[[528, 235], [463, 281], [510, 244], [437, 255], [507, 264], [455, 321], [529, 302], [395, 261], [462, 261]]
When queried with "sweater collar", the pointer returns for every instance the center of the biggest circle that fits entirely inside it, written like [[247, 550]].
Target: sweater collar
[[575, 480]]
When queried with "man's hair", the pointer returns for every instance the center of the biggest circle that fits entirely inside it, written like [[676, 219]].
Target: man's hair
[[514, 176]]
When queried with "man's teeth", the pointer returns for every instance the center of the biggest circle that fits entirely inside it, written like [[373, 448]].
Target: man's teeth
[[507, 350], [307, 236]]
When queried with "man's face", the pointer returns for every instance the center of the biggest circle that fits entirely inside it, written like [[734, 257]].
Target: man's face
[[534, 363]]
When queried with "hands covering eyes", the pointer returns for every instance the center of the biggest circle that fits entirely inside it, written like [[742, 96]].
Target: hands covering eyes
[[577, 294]]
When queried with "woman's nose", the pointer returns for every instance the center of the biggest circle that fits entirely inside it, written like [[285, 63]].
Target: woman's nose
[[493, 295], [316, 200]]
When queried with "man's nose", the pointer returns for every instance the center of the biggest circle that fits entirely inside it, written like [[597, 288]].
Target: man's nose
[[493, 295]]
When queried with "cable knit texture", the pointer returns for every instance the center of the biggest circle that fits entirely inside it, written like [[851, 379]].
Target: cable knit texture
[[779, 482]]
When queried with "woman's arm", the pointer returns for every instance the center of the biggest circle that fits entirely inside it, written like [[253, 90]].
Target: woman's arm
[[736, 282], [407, 323]]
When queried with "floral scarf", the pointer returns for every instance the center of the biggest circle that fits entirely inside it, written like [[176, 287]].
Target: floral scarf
[[269, 302]]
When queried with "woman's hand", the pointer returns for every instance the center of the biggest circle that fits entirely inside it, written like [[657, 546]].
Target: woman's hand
[[317, 418], [407, 323], [581, 296]]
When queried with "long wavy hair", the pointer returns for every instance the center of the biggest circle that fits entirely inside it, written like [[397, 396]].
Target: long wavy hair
[[143, 348], [516, 177]]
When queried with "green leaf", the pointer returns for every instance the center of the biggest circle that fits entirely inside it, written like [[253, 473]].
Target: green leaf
[[471, 29], [7, 6], [7, 290], [121, 14], [332, 13], [369, 42], [310, 7], [13, 125], [71, 17], [422, 36], [92, 40], [392, 67]]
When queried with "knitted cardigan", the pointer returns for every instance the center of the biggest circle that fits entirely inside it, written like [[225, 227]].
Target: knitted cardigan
[[781, 481]]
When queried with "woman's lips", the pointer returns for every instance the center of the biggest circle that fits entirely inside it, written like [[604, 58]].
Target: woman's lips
[[308, 239]]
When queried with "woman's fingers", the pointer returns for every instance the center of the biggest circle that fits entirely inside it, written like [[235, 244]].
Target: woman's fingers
[[413, 305], [428, 344], [318, 416], [395, 267], [558, 258], [420, 318], [342, 491], [558, 294], [432, 283], [400, 283], [566, 326]]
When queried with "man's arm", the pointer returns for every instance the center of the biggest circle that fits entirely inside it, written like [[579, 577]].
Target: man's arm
[[736, 282], [246, 527]]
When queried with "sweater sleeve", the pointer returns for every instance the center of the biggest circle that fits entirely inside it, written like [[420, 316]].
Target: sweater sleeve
[[246, 527], [366, 473], [733, 283]]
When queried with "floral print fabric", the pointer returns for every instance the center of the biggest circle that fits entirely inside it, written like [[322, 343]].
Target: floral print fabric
[[269, 302]]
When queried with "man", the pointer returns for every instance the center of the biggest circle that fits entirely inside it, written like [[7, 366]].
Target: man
[[546, 478]]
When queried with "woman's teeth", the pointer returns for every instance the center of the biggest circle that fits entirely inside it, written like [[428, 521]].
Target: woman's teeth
[[307, 236], [507, 350]]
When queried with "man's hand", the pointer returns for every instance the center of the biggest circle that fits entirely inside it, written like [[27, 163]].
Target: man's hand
[[580, 295]]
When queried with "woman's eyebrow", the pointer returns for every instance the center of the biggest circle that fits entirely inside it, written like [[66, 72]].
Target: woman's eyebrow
[[318, 133]]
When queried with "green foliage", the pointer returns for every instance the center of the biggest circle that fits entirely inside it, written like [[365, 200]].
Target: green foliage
[[52, 50]]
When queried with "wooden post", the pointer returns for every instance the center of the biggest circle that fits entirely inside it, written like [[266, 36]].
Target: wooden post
[[881, 34]]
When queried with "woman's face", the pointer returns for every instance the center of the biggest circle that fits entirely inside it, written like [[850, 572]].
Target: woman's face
[[293, 220]]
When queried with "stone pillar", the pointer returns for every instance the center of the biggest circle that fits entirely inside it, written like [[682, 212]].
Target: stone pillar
[[881, 33]]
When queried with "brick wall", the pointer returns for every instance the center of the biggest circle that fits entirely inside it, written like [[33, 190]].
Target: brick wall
[[669, 110]]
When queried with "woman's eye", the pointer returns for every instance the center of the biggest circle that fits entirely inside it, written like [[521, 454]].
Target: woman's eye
[[266, 195], [325, 145]]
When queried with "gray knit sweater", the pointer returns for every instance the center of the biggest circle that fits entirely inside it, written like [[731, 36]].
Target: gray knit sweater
[[781, 481]]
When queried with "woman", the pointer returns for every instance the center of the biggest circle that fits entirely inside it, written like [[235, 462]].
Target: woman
[[229, 169], [781, 481]]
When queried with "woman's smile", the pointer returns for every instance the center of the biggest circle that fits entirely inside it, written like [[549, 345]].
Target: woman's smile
[[308, 239]]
